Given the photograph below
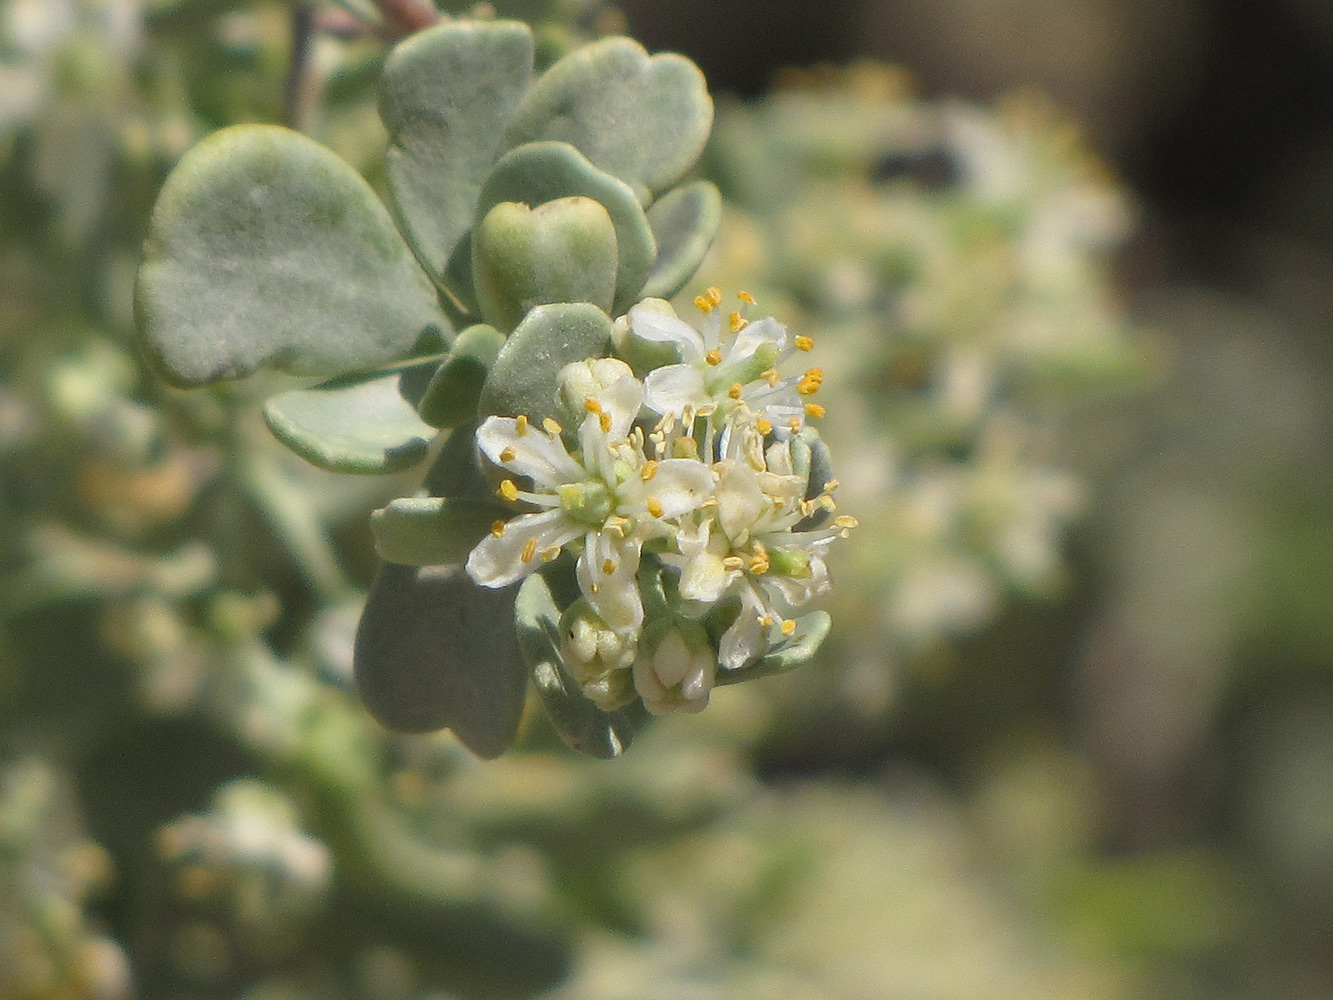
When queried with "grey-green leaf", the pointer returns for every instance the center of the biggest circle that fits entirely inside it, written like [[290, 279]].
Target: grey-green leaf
[[436, 651], [643, 119], [812, 461], [451, 397], [359, 424], [786, 654], [685, 222], [581, 724], [523, 379], [446, 97], [561, 251], [266, 249], [545, 171], [432, 531]]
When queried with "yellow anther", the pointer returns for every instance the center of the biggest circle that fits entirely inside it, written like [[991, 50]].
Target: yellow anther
[[767, 620], [498, 529], [795, 424], [831, 485], [772, 377], [733, 562], [759, 558], [788, 626], [845, 521], [529, 549], [814, 410], [592, 405], [508, 490], [713, 357], [604, 419], [827, 502], [735, 391], [608, 567], [508, 454], [764, 426], [520, 425], [549, 553], [649, 470], [654, 507], [714, 295], [737, 322], [745, 297], [804, 343], [685, 448], [550, 426], [810, 382]]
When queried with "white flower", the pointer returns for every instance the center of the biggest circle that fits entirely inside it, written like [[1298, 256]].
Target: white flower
[[607, 493], [723, 367], [677, 673], [744, 545]]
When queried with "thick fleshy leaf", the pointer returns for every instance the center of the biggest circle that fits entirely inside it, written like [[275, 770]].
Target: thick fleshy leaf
[[811, 460], [446, 97], [456, 472], [685, 223], [451, 398], [785, 653], [266, 249], [435, 651], [581, 724], [432, 531], [560, 251], [523, 378], [356, 424], [644, 119], [545, 171]]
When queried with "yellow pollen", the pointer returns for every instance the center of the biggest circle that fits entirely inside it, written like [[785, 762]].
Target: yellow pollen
[[814, 410], [795, 424], [608, 567], [735, 391], [592, 405], [529, 550], [648, 471], [804, 343], [831, 485], [759, 560], [826, 501], [772, 376], [713, 357], [714, 295], [737, 322], [733, 562], [498, 529], [767, 620], [788, 626], [549, 553], [508, 455], [810, 382], [764, 426], [508, 490], [654, 507], [745, 297], [520, 425], [604, 419], [685, 448], [551, 427], [845, 521]]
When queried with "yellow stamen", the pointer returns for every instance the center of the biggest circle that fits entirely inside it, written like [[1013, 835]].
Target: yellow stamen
[[737, 322], [550, 426], [831, 485], [814, 410], [810, 382], [804, 343], [604, 419], [764, 426], [592, 405], [795, 424], [714, 295], [759, 559], [845, 521], [498, 529], [685, 448], [508, 455], [520, 425], [654, 507], [549, 553], [713, 357], [767, 620], [733, 562], [735, 391], [529, 550], [608, 567], [745, 297], [789, 626], [648, 471], [772, 377], [508, 490]]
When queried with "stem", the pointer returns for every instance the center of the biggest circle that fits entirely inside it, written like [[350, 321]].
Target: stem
[[299, 93]]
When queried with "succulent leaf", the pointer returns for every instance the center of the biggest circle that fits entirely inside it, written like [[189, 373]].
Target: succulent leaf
[[785, 654], [685, 222], [451, 397], [431, 531]]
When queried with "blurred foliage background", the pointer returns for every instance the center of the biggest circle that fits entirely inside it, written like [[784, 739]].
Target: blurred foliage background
[[1070, 265]]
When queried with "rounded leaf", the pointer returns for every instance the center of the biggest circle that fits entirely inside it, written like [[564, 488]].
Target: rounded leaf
[[685, 223], [523, 378], [435, 651], [545, 171], [266, 249], [432, 531], [560, 251], [451, 397], [362, 424], [644, 119], [446, 97], [785, 653]]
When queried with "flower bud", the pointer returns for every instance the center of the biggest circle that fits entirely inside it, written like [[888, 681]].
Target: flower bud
[[597, 656], [675, 673]]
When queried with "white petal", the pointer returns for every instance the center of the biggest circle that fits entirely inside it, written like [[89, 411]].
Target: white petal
[[740, 501], [747, 638], [703, 578], [680, 485], [621, 401], [498, 561], [608, 576], [671, 388], [533, 453], [756, 333], [663, 329]]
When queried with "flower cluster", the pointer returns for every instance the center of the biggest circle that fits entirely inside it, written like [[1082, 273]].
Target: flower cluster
[[693, 469]]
